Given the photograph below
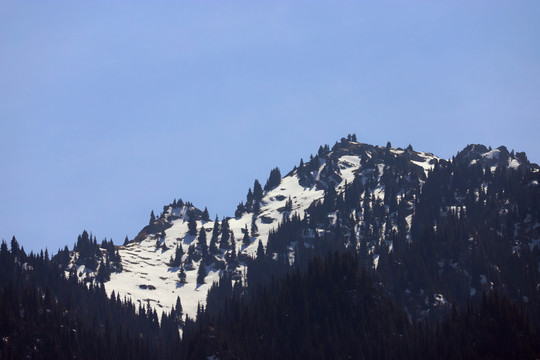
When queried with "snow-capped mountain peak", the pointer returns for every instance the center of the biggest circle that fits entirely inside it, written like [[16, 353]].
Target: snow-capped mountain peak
[[370, 191]]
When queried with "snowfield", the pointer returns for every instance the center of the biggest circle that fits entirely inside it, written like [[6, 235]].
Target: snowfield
[[148, 279]]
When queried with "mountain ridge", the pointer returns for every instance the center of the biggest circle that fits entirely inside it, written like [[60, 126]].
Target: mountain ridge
[[377, 189]]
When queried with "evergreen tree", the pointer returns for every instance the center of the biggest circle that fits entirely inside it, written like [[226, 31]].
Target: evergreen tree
[[225, 235], [176, 260], [233, 241], [152, 217], [273, 180], [258, 191], [178, 311], [201, 273], [246, 240], [192, 225], [205, 215], [288, 205], [256, 207], [260, 251], [215, 234], [182, 275], [232, 259], [249, 197], [240, 209], [254, 228], [202, 242], [14, 246], [104, 272]]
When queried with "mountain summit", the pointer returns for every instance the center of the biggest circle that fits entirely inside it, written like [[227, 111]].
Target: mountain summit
[[431, 231]]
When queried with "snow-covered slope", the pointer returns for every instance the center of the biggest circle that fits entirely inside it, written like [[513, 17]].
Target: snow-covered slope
[[148, 278]]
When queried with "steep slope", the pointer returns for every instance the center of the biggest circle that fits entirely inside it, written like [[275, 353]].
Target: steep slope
[[407, 214], [44, 315], [333, 310], [147, 276]]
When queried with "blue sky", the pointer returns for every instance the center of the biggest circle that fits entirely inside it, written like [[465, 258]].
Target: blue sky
[[111, 109]]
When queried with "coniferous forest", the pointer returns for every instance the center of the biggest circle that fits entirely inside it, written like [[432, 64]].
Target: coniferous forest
[[335, 311], [444, 265], [46, 314], [332, 310]]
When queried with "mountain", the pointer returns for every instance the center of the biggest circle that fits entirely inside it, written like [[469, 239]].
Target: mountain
[[46, 315], [362, 251], [333, 310], [430, 231]]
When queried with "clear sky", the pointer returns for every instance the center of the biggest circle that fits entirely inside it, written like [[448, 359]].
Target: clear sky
[[110, 109]]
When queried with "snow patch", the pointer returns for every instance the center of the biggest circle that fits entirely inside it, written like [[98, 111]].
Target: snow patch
[[493, 154], [513, 164]]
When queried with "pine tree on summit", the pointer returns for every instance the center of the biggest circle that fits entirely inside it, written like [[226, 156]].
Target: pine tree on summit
[[152, 217], [273, 180], [205, 215], [249, 197], [240, 209], [258, 191]]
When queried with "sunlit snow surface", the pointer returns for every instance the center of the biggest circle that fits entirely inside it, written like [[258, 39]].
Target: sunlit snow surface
[[492, 154], [146, 278]]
